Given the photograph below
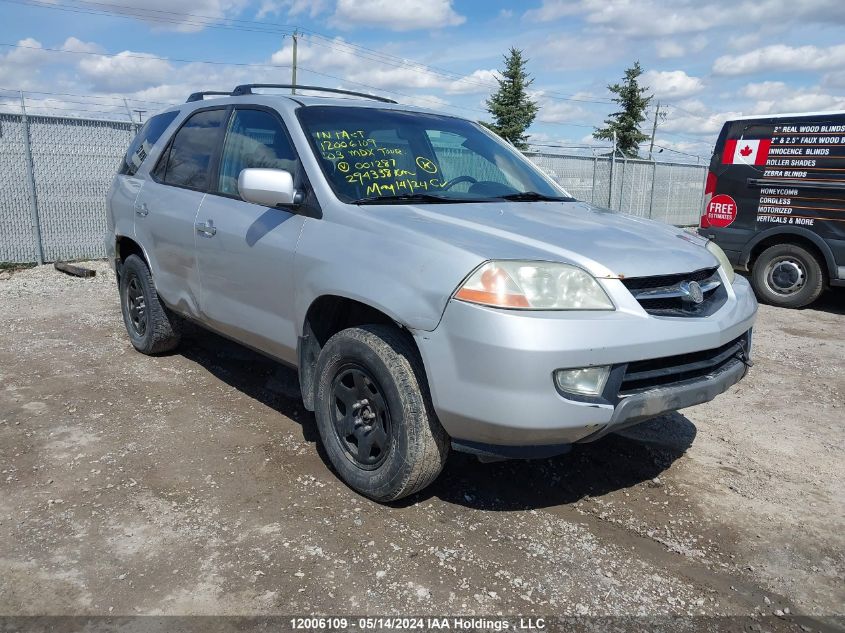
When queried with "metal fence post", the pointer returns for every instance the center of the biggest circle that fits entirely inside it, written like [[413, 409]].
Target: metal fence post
[[593, 190], [703, 189], [30, 168], [129, 113], [651, 199], [622, 184], [612, 165]]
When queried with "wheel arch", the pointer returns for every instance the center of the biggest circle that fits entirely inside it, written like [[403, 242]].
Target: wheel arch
[[790, 235], [327, 315], [124, 246]]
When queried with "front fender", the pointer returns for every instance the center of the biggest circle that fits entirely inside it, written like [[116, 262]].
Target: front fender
[[408, 280]]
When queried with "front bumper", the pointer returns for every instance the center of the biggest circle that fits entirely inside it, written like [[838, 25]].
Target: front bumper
[[491, 371]]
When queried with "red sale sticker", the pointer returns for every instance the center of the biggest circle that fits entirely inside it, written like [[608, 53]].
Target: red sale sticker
[[721, 211]]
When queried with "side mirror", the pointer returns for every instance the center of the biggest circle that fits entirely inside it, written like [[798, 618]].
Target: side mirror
[[267, 187]]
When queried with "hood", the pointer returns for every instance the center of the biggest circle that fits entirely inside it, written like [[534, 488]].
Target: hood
[[606, 243]]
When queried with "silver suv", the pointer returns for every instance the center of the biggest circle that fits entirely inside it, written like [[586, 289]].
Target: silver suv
[[433, 288]]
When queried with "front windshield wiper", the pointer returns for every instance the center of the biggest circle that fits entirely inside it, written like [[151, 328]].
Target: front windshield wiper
[[407, 197], [533, 196]]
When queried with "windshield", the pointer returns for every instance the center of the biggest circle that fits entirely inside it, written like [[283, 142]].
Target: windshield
[[372, 156]]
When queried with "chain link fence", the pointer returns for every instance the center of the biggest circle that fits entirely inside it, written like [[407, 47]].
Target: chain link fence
[[669, 192], [55, 173]]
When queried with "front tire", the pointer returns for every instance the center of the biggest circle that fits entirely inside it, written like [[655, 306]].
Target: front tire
[[787, 275], [374, 413], [152, 328]]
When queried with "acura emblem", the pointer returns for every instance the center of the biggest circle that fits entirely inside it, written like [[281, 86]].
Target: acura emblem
[[691, 291]]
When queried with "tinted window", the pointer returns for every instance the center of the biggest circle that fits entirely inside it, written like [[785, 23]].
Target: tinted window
[[144, 141], [254, 139], [190, 152]]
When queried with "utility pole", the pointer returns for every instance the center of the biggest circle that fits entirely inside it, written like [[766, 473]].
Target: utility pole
[[140, 115], [653, 130], [293, 67]]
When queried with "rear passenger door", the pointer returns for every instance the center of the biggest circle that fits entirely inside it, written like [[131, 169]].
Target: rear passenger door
[[244, 250], [166, 208]]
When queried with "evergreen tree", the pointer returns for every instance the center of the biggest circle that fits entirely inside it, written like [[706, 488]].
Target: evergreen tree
[[512, 108], [626, 123]]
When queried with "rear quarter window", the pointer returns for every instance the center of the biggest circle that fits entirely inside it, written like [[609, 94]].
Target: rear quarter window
[[143, 142]]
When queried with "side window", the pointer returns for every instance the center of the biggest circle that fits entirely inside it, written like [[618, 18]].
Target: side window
[[254, 139], [189, 155], [144, 141]]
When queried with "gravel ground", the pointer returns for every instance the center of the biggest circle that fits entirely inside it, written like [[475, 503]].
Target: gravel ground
[[193, 484]]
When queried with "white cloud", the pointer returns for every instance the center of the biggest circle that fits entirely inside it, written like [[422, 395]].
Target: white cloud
[[834, 80], [125, 71], [667, 48], [671, 84], [432, 102], [551, 10], [20, 67], [578, 52], [404, 15], [76, 45], [653, 18], [781, 58], [479, 81], [693, 117], [799, 100], [557, 110], [766, 89]]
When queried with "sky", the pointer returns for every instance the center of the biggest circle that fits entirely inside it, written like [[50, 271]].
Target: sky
[[704, 61]]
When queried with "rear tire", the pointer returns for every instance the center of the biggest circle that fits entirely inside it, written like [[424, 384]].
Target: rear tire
[[787, 275], [152, 327], [374, 413]]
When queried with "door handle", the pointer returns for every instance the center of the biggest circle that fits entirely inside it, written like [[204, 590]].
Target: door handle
[[207, 228], [141, 209]]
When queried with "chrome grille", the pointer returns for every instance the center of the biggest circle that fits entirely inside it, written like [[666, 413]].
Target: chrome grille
[[696, 294]]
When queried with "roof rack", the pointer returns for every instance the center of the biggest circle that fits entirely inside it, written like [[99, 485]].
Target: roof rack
[[246, 89], [199, 96]]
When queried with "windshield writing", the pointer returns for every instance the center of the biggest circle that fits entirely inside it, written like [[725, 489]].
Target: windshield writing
[[371, 153]]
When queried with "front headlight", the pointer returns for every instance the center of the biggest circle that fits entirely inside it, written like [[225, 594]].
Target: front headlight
[[534, 286], [724, 262]]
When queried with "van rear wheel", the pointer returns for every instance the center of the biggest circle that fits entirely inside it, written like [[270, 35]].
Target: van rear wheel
[[787, 275]]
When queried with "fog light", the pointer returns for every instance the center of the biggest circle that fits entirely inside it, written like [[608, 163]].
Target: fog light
[[585, 381]]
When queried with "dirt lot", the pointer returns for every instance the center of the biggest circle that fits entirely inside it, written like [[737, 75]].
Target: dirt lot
[[192, 484]]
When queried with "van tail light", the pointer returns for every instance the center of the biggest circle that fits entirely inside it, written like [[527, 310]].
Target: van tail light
[[709, 190]]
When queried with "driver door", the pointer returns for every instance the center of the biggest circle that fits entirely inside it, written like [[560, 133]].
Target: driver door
[[244, 250]]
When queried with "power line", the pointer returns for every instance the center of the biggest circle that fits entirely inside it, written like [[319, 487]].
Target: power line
[[127, 55], [76, 94], [145, 56], [272, 28]]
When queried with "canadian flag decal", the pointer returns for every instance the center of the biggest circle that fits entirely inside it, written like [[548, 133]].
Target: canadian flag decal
[[746, 152]]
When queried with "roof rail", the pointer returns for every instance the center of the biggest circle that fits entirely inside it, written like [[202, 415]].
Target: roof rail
[[246, 89], [199, 96]]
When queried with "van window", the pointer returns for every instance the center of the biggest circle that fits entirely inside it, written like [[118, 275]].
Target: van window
[[254, 139], [189, 156], [144, 141]]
